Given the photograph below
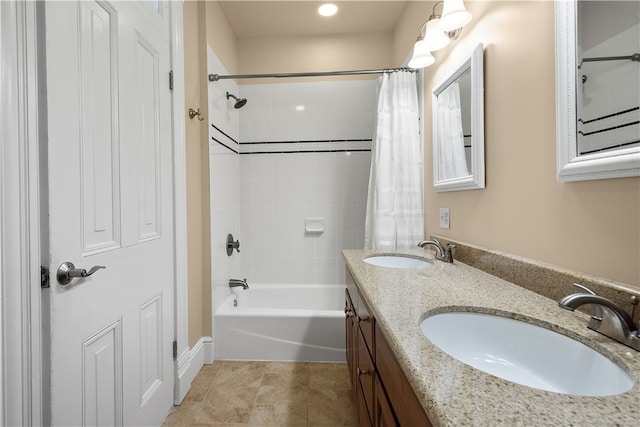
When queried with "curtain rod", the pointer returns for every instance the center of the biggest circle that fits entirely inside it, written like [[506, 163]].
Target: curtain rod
[[216, 77], [633, 57]]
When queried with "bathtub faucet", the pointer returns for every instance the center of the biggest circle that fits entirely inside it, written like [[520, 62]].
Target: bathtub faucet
[[234, 283]]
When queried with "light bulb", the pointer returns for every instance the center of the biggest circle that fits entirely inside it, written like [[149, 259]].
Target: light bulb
[[421, 57], [454, 15], [328, 9], [434, 37]]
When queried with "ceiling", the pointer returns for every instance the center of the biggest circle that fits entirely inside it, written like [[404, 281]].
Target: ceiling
[[300, 18]]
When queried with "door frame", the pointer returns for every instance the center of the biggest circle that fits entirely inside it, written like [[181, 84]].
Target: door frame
[[19, 217], [23, 211], [182, 383]]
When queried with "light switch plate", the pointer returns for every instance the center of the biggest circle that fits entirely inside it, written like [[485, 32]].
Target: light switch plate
[[444, 218]]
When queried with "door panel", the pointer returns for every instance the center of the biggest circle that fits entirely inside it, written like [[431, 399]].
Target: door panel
[[110, 204], [146, 82], [150, 348], [102, 377], [98, 58]]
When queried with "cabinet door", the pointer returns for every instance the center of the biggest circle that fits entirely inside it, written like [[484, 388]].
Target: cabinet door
[[383, 414], [363, 413], [365, 372], [350, 328], [401, 396], [366, 323]]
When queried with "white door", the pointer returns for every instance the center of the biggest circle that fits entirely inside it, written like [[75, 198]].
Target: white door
[[110, 204]]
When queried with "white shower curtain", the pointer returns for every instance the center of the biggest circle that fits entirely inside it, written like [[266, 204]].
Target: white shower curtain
[[451, 155], [394, 217]]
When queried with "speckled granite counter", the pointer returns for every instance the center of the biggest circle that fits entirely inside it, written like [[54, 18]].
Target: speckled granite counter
[[455, 394]]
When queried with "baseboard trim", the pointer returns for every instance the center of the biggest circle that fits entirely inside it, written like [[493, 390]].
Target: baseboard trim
[[189, 364]]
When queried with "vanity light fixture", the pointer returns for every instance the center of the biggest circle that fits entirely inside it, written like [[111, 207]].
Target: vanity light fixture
[[434, 37], [438, 31], [328, 9], [421, 57], [454, 15]]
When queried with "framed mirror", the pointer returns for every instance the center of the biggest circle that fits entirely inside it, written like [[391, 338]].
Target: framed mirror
[[458, 127], [597, 88]]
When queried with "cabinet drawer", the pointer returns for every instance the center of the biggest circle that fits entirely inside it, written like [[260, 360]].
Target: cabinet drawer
[[366, 323], [363, 415], [383, 414], [351, 286], [403, 400], [365, 374]]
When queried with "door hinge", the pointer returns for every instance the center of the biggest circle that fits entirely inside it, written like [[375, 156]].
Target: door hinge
[[170, 80], [44, 277], [175, 350]]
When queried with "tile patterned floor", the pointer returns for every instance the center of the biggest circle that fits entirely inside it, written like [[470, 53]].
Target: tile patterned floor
[[261, 394]]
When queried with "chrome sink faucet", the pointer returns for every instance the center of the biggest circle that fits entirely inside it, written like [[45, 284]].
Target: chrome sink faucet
[[609, 318], [442, 254], [234, 283]]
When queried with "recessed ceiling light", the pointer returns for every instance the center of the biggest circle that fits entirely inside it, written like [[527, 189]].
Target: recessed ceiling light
[[328, 9]]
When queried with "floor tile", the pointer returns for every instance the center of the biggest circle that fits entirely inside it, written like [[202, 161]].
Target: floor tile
[[229, 404], [331, 408], [332, 376], [267, 394], [200, 387], [239, 375], [280, 414]]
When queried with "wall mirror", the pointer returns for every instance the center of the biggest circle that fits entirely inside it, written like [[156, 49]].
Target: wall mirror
[[458, 127], [597, 89]]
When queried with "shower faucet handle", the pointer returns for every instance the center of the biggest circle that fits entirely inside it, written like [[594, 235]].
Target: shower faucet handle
[[231, 244]]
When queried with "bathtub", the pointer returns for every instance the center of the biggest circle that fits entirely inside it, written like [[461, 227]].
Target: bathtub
[[282, 322]]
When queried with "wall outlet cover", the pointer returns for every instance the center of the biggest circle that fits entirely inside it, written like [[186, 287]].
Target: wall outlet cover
[[444, 218]]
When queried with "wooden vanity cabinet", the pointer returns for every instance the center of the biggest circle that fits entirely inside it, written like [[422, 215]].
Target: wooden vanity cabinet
[[406, 406], [383, 413], [382, 393], [360, 333], [350, 328]]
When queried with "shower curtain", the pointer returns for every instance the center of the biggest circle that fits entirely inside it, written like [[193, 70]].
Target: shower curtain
[[394, 218], [451, 155]]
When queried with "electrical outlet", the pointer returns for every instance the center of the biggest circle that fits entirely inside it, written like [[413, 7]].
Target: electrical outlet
[[444, 218]]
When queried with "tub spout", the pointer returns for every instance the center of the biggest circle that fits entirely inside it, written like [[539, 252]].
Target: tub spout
[[234, 283]]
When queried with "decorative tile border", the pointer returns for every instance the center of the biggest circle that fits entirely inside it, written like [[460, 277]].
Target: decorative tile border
[[287, 147]]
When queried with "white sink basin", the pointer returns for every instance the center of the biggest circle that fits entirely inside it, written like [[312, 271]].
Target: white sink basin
[[397, 261], [525, 354]]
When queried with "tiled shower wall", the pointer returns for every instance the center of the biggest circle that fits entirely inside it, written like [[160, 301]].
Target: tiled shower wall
[[224, 173], [294, 151], [305, 154], [279, 191]]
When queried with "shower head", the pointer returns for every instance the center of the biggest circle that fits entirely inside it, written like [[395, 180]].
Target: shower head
[[240, 102]]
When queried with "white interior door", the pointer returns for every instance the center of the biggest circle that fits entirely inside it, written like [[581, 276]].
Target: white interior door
[[110, 204]]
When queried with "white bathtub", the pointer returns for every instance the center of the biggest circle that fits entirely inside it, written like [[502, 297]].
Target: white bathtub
[[282, 322]]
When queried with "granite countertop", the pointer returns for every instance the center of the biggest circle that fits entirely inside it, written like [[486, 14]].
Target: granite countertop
[[455, 394]]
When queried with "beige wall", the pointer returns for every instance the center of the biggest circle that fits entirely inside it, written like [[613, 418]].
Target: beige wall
[[315, 53], [197, 264], [593, 226], [408, 28], [203, 23], [220, 36]]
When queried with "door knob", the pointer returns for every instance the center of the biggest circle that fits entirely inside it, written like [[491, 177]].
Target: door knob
[[67, 272]]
